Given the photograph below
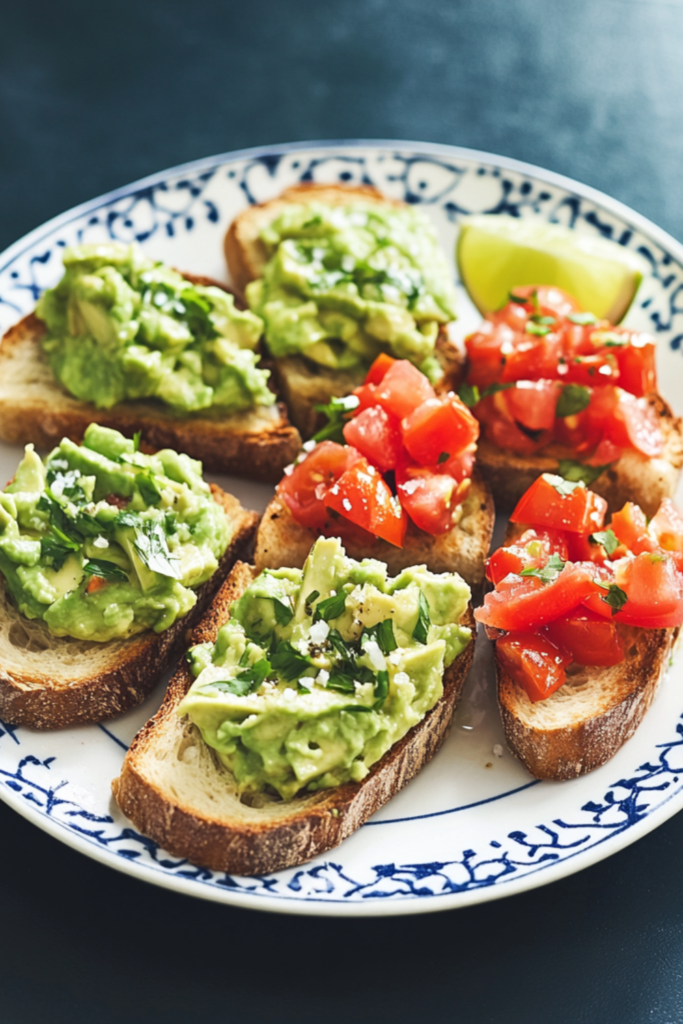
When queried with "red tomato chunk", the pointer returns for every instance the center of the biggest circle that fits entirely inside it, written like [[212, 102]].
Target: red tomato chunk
[[534, 662]]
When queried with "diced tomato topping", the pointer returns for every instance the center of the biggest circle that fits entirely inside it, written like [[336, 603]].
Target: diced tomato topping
[[438, 428], [366, 395], [377, 435], [607, 451], [303, 489], [95, 583], [636, 362], [362, 496], [531, 550], [592, 370], [534, 662], [547, 299], [532, 403], [630, 527], [577, 510], [654, 590], [430, 499], [403, 388], [589, 638], [526, 602], [634, 425], [377, 371], [459, 466], [503, 430], [667, 527], [504, 561]]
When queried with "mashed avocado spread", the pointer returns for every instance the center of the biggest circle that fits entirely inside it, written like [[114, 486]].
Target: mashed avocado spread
[[320, 671], [101, 541], [121, 326], [344, 283]]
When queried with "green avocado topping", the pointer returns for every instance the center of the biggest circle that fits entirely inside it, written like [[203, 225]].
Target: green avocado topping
[[320, 671], [102, 542], [344, 283], [121, 326]]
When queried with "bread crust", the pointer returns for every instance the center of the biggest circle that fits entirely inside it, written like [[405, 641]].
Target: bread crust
[[35, 407], [302, 383], [634, 477], [281, 541], [48, 682], [255, 841]]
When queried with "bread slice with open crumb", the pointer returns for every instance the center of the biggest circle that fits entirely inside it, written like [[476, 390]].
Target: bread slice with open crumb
[[281, 541], [634, 477], [583, 724], [35, 407], [301, 383], [50, 682], [175, 790]]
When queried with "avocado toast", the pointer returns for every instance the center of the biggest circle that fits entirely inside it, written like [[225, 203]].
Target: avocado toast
[[313, 696], [134, 345], [107, 558]]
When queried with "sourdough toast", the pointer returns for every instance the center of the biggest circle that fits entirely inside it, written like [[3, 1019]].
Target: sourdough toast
[[35, 407], [174, 789], [281, 541], [634, 477], [50, 682], [301, 383]]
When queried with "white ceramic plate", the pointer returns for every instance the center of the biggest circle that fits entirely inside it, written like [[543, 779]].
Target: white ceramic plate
[[474, 826]]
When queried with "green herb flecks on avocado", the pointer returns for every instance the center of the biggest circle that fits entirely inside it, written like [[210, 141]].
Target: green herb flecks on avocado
[[102, 542], [121, 326], [315, 701]]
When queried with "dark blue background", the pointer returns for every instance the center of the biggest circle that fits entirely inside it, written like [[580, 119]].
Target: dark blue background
[[93, 95]]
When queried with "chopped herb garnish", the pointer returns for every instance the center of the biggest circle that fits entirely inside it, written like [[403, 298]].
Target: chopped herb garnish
[[469, 394], [582, 318], [149, 491], [255, 674], [550, 571], [337, 412], [383, 633], [331, 607], [538, 319], [444, 457], [310, 601], [283, 611], [421, 630], [381, 693], [136, 440], [607, 538], [341, 682], [615, 597], [57, 547], [574, 399], [608, 339], [537, 329], [519, 299], [288, 662], [579, 472], [237, 687], [105, 570], [152, 548], [565, 487]]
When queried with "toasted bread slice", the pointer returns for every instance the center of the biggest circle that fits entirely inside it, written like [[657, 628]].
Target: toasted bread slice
[[35, 407], [302, 383], [281, 541], [633, 478], [49, 682], [584, 723], [174, 789]]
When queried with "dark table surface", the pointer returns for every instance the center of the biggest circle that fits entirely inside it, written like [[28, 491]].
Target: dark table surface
[[95, 95]]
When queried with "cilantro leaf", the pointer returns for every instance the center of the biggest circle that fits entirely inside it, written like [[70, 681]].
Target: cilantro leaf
[[582, 318], [342, 682], [288, 662], [550, 571], [579, 472], [152, 548], [383, 633], [565, 487], [381, 693], [444, 457], [615, 597], [310, 601], [337, 412], [237, 687], [331, 607], [574, 399], [136, 440], [57, 547], [255, 674], [539, 330], [519, 299], [607, 538], [469, 394], [283, 612], [424, 621], [105, 570], [149, 492]]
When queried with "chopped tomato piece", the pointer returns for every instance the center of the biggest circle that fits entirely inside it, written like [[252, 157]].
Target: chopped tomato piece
[[607, 451], [582, 549], [460, 466], [302, 489], [532, 403], [403, 388], [634, 425], [377, 435], [505, 561], [95, 583], [534, 662], [526, 602], [367, 397], [377, 371], [630, 527], [549, 298], [667, 527], [589, 638], [572, 507], [531, 550], [362, 496], [505, 433], [636, 361], [429, 498], [439, 427], [654, 590], [484, 350], [531, 357], [590, 370]]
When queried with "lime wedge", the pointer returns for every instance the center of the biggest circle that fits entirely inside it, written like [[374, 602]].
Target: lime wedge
[[496, 253]]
